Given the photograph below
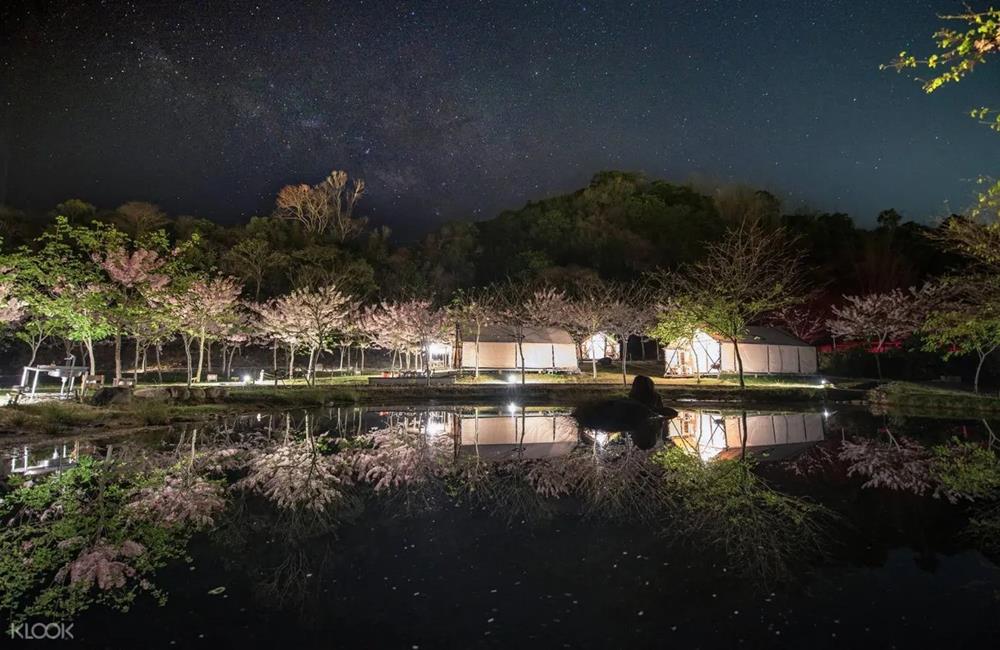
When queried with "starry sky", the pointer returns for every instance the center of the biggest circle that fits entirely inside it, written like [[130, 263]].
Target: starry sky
[[457, 110]]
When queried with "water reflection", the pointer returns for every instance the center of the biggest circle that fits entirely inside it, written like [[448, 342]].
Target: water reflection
[[34, 460], [718, 434], [273, 493]]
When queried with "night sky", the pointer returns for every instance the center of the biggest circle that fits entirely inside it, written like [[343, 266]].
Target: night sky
[[461, 109]]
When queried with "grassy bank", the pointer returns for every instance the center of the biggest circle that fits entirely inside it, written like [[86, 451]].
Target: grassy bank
[[533, 393], [148, 408], [919, 399], [57, 418]]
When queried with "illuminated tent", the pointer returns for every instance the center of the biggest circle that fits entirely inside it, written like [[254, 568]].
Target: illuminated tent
[[599, 346], [546, 349], [765, 350]]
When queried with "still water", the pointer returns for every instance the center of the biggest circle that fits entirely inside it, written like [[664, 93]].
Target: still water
[[502, 526]]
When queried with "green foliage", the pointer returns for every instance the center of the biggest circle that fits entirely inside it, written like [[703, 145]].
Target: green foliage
[[71, 541], [619, 225], [959, 51], [965, 470], [677, 324]]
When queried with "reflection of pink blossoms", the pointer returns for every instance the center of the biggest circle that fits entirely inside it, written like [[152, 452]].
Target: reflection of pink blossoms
[[399, 458], [180, 502], [552, 478], [896, 465], [295, 475], [102, 564]]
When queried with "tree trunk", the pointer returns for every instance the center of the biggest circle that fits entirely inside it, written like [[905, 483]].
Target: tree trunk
[[520, 349], [89, 343], [34, 352], [593, 358], [208, 358], [118, 357], [159, 366], [227, 364], [135, 366], [624, 359], [979, 367], [361, 352], [743, 438], [291, 361], [697, 370], [274, 350], [739, 362], [201, 356], [878, 360], [187, 353], [479, 329], [342, 357]]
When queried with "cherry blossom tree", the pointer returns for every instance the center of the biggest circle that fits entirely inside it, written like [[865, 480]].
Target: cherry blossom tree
[[471, 308], [198, 306], [876, 319], [407, 328], [632, 311], [278, 322], [318, 314], [587, 313], [12, 309], [801, 322], [134, 275]]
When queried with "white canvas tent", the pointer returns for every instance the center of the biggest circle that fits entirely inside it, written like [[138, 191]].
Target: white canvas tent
[[599, 346], [764, 350], [546, 349]]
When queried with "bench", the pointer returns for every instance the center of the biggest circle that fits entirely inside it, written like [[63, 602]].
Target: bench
[[93, 381]]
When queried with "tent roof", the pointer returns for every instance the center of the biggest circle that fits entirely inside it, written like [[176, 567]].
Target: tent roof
[[499, 334], [766, 335]]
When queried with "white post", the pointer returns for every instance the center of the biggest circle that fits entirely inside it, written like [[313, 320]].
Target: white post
[[34, 384]]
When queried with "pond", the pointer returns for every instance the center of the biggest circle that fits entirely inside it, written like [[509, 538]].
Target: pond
[[510, 526]]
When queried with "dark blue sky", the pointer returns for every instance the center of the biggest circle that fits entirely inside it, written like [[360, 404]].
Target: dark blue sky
[[461, 109]]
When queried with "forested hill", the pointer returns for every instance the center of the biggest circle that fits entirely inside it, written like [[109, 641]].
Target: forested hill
[[622, 224], [619, 226]]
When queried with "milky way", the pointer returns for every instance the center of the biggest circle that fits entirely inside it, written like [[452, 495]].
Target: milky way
[[461, 109]]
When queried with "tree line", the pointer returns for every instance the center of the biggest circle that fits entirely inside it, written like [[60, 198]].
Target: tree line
[[625, 256]]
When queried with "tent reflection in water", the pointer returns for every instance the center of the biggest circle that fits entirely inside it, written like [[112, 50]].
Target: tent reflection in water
[[518, 432], [715, 434], [764, 350]]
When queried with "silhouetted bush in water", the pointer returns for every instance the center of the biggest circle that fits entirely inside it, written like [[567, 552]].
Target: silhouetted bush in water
[[644, 391]]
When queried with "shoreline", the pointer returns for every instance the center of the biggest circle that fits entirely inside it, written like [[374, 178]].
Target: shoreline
[[153, 406]]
